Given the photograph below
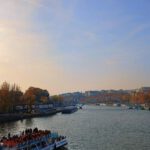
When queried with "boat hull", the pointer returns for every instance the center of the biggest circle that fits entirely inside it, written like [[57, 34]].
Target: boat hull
[[69, 110], [54, 146]]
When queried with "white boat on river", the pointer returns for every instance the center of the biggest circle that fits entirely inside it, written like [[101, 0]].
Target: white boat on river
[[33, 140]]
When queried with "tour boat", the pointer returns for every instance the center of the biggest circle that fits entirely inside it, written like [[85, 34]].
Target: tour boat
[[33, 140]]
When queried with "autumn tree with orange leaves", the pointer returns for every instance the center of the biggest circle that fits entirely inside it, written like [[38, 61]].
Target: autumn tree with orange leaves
[[10, 96], [35, 95]]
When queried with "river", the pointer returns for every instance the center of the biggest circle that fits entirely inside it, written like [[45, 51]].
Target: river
[[94, 128]]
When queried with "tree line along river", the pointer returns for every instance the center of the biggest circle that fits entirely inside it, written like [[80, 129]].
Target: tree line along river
[[94, 127]]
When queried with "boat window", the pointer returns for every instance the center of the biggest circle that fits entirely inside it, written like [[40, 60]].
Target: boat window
[[43, 144], [38, 144], [33, 146]]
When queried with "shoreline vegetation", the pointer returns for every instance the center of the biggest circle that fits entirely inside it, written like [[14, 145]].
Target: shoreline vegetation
[[36, 102], [13, 100]]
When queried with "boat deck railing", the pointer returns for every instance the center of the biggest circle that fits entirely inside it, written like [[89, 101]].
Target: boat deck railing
[[36, 141]]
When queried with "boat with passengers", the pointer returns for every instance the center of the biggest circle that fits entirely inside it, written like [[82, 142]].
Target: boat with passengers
[[33, 139]]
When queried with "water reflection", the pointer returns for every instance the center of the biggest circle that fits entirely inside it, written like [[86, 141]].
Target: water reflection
[[28, 122], [11, 127]]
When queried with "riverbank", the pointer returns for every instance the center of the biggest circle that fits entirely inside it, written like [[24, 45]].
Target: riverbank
[[14, 117], [20, 116]]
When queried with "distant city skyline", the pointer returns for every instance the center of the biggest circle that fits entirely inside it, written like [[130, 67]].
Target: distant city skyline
[[73, 45]]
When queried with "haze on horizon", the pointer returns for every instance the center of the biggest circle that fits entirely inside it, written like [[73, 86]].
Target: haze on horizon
[[74, 45]]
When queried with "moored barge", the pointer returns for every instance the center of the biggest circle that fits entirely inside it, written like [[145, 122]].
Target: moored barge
[[69, 110]]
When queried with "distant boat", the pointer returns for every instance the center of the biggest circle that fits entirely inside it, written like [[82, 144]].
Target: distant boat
[[102, 104], [118, 105], [69, 110], [130, 107], [97, 104], [80, 107]]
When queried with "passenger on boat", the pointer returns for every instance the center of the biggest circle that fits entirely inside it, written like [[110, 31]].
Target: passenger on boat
[[24, 137]]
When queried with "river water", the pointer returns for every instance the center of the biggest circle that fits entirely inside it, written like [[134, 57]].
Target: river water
[[94, 128]]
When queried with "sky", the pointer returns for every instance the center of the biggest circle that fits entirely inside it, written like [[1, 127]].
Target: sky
[[75, 45]]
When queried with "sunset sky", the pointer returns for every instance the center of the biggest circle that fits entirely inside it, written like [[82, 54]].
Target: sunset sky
[[75, 45]]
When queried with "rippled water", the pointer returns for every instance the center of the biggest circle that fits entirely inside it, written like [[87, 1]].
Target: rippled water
[[94, 128]]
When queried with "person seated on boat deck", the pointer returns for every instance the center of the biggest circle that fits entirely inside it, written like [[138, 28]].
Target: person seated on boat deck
[[28, 131], [25, 136], [3, 138], [35, 130], [43, 144], [9, 135]]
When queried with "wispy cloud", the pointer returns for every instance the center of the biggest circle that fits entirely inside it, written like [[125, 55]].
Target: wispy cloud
[[58, 8], [90, 35], [138, 29]]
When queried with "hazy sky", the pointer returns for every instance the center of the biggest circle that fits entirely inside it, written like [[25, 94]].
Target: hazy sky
[[75, 45]]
